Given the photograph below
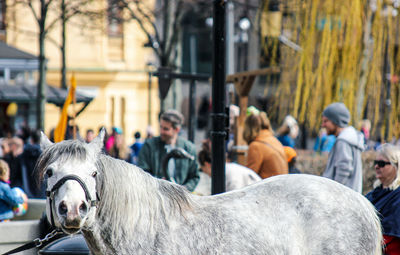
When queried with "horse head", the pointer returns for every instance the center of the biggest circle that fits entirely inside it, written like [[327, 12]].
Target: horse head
[[69, 169]]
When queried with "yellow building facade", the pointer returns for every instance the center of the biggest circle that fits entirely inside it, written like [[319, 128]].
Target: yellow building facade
[[111, 67]]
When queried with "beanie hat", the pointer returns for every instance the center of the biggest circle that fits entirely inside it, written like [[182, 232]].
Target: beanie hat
[[338, 114]]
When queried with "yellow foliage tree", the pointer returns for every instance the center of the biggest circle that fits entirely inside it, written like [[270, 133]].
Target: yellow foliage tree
[[347, 51]]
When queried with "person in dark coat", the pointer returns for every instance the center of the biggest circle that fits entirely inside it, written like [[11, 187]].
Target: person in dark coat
[[386, 195], [28, 160]]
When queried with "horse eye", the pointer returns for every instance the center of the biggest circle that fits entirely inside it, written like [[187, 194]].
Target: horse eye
[[94, 174], [49, 173]]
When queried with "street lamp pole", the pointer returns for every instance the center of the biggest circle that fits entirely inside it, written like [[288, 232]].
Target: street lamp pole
[[244, 25], [218, 133]]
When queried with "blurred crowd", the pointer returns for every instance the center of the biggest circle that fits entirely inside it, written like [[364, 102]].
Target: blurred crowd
[[20, 149], [172, 157]]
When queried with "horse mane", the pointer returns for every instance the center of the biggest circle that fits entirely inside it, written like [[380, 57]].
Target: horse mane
[[63, 151], [130, 197]]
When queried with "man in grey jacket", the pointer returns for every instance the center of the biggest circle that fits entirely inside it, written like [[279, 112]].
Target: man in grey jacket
[[344, 162]]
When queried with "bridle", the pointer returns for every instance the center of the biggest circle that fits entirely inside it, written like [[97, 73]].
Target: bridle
[[50, 193], [38, 243]]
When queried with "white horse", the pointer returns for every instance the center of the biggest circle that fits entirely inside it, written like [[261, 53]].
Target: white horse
[[120, 209]]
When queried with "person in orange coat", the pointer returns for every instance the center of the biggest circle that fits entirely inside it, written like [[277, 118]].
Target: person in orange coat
[[266, 155]]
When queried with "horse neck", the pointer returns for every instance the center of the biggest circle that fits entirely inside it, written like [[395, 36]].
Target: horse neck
[[95, 241], [133, 202]]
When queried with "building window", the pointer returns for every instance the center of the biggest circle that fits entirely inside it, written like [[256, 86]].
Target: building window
[[115, 32], [115, 21], [196, 34]]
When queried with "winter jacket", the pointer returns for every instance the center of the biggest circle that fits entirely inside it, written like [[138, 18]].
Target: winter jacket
[[15, 170], [324, 143], [153, 152], [28, 161], [8, 199], [286, 140], [266, 155], [344, 161], [135, 149], [387, 203]]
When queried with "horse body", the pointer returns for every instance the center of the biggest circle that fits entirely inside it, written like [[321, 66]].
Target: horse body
[[138, 214]]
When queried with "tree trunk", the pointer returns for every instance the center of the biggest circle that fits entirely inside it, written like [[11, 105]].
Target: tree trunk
[[41, 92], [63, 46], [366, 57]]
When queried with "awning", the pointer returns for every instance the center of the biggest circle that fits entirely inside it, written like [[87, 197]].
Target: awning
[[9, 52], [14, 59], [27, 93]]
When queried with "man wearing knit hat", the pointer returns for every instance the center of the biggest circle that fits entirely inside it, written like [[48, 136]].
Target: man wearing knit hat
[[344, 162]]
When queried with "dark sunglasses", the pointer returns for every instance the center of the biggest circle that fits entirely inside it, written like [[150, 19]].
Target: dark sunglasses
[[381, 163]]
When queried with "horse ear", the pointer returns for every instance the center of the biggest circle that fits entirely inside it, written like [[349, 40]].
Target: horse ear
[[98, 142], [44, 141]]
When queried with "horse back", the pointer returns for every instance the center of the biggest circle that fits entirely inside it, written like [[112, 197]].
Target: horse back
[[314, 215]]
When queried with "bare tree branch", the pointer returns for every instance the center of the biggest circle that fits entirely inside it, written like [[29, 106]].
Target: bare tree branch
[[33, 11], [53, 41], [150, 20], [177, 21], [143, 27], [166, 34], [51, 25]]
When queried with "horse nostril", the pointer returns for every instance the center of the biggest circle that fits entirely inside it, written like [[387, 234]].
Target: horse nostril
[[62, 208], [83, 208]]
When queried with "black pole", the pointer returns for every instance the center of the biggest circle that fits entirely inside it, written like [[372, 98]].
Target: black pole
[[192, 110], [218, 133]]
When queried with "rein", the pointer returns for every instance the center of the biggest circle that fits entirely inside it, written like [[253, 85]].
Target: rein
[[50, 193], [36, 243]]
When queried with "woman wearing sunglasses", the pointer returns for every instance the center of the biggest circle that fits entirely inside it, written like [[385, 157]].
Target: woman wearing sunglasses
[[386, 195]]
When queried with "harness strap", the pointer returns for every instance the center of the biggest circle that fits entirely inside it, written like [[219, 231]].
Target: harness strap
[[67, 178], [38, 243], [24, 247], [59, 183], [51, 211]]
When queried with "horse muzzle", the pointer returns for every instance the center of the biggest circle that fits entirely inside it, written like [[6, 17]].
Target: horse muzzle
[[72, 215]]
